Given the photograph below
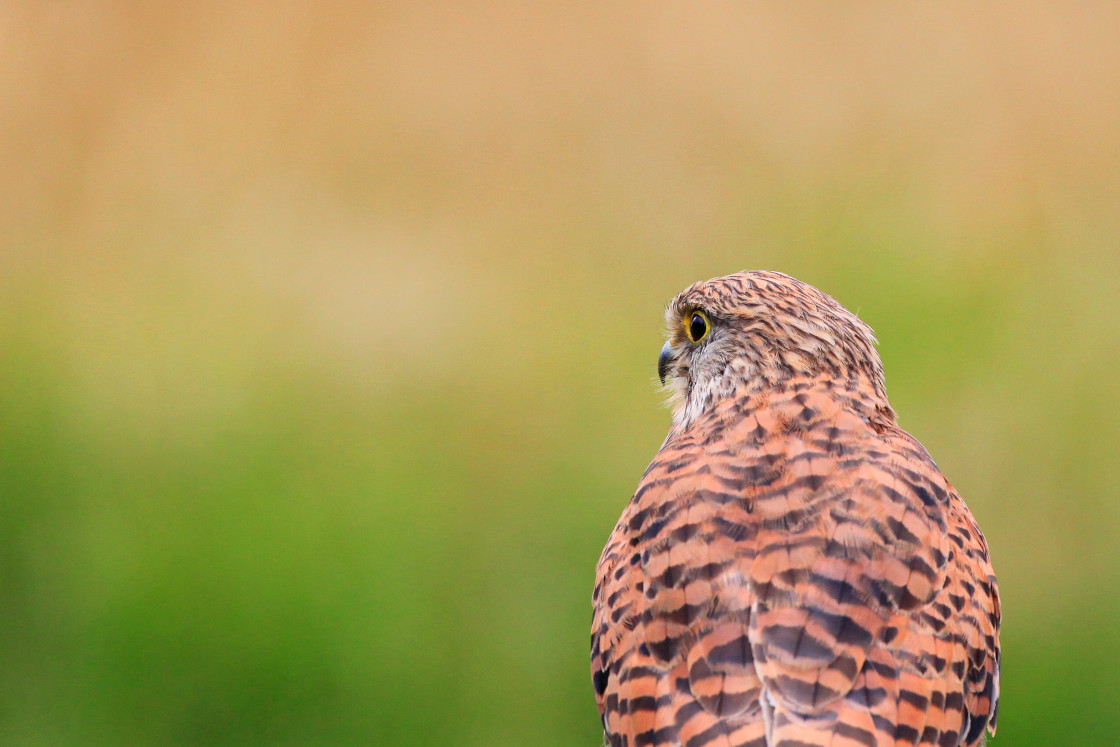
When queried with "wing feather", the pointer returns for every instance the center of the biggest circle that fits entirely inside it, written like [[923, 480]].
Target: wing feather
[[799, 569]]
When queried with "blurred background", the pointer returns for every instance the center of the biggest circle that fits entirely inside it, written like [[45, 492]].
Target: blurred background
[[328, 335]]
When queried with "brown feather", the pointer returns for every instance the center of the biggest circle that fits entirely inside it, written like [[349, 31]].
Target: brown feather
[[793, 568]]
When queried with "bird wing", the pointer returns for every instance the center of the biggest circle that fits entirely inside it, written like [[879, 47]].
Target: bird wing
[[863, 628], [670, 656], [789, 569]]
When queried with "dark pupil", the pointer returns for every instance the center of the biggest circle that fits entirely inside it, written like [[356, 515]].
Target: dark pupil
[[697, 327]]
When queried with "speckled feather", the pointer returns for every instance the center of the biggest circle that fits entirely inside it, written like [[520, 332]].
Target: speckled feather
[[793, 568]]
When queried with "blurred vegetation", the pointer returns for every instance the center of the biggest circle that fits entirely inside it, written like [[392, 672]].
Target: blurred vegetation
[[329, 336]]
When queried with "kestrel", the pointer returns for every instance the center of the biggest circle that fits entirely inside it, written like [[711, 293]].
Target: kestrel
[[793, 569]]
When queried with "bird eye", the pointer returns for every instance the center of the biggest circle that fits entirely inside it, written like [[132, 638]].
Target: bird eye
[[696, 326]]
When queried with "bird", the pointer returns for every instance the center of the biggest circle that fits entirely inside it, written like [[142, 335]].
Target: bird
[[793, 568]]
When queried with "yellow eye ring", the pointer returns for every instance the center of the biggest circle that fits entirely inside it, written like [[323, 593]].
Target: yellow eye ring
[[696, 326]]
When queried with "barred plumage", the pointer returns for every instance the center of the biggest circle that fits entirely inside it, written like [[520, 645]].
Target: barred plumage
[[793, 568]]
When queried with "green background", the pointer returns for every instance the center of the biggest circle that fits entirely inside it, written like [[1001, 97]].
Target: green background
[[329, 336]]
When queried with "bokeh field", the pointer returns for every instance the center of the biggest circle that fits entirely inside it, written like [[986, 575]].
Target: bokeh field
[[328, 336]]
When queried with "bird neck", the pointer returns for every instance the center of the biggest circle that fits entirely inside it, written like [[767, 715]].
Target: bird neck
[[857, 392]]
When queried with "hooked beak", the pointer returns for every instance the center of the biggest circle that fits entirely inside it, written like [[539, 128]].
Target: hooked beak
[[666, 359]]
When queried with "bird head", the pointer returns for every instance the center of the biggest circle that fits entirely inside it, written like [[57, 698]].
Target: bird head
[[742, 333]]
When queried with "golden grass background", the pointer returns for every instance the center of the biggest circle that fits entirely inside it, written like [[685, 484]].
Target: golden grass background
[[329, 335]]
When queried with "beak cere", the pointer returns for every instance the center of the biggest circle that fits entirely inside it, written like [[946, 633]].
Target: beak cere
[[668, 355]]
